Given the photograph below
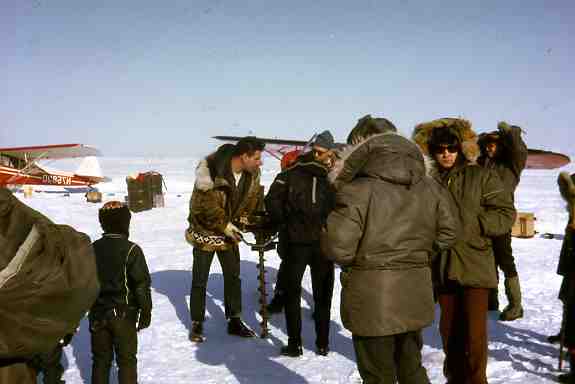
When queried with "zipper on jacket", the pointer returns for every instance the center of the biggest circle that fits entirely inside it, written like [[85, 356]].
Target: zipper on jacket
[[126, 273], [313, 190]]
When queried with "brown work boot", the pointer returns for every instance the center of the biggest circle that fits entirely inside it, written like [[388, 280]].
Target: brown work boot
[[237, 327], [196, 334]]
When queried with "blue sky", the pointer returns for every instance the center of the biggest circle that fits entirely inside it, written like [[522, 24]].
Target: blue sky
[[160, 78]]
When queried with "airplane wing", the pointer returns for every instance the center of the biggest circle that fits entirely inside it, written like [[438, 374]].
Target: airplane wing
[[52, 152], [539, 159], [294, 143]]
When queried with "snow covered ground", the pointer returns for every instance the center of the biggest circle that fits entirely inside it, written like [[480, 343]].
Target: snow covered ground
[[518, 352]]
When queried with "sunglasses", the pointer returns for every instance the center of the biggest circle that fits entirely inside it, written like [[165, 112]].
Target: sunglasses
[[451, 148]]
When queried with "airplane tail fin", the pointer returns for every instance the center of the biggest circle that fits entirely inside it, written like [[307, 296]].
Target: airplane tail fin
[[89, 167]]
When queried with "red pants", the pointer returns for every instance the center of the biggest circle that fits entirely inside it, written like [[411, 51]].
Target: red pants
[[463, 328]]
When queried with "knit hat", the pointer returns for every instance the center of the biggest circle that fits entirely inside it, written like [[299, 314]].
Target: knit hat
[[325, 140], [368, 126], [115, 217]]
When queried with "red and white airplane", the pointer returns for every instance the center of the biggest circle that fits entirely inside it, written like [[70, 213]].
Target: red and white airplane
[[287, 150], [18, 166]]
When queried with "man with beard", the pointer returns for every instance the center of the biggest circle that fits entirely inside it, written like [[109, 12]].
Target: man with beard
[[226, 191], [505, 152], [300, 198], [389, 221], [467, 271]]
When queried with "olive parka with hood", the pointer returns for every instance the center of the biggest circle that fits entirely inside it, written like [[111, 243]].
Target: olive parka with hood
[[217, 201], [388, 220], [484, 208]]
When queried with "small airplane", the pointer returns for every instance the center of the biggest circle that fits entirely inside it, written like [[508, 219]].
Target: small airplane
[[287, 151], [18, 166]]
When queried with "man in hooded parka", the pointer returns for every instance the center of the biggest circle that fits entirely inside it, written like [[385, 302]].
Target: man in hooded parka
[[505, 152], [389, 221], [467, 271]]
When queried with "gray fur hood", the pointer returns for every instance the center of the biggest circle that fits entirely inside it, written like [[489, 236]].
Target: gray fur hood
[[386, 156]]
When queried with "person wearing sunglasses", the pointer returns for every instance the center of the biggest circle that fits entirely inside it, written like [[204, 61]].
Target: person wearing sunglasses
[[466, 272], [505, 152]]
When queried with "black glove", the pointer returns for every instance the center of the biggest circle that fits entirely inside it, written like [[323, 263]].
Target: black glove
[[144, 319]]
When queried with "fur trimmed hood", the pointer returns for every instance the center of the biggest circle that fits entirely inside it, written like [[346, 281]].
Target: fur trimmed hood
[[387, 156], [458, 127], [203, 180]]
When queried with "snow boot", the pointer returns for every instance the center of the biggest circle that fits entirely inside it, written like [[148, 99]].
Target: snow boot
[[493, 300], [196, 334], [514, 310], [292, 350], [237, 327], [569, 377]]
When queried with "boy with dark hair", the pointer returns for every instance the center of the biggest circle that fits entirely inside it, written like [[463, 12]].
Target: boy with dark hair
[[124, 305]]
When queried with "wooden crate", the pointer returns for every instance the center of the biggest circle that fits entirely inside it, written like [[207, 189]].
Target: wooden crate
[[524, 225]]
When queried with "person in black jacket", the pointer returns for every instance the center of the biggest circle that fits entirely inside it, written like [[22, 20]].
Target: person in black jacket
[[124, 305], [301, 198]]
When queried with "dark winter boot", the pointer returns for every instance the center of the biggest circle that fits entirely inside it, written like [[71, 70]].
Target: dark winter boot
[[322, 350], [292, 350], [554, 339], [197, 332], [493, 300], [568, 378], [277, 303], [237, 327], [514, 310]]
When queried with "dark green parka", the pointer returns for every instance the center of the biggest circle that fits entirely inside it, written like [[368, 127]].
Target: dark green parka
[[216, 201], [484, 209], [388, 220]]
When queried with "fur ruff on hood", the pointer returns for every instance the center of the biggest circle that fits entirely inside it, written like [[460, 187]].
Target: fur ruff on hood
[[338, 170], [204, 180], [398, 160], [459, 127]]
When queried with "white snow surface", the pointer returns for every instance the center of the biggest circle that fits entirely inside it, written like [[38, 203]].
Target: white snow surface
[[518, 352]]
